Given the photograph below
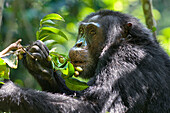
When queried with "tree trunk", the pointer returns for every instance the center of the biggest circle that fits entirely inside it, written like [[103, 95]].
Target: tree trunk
[[147, 9], [1, 10]]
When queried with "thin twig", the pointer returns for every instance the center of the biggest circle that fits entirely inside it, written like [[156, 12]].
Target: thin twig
[[15, 46], [27, 52]]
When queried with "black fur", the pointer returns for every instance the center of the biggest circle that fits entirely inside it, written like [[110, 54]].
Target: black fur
[[132, 74]]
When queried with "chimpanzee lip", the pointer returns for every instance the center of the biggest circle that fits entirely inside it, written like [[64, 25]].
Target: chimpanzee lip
[[78, 63]]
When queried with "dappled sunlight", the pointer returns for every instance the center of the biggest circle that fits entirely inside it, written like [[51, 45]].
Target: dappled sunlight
[[84, 12], [118, 6]]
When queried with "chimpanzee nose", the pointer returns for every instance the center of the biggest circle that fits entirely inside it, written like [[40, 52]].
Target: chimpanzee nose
[[79, 44]]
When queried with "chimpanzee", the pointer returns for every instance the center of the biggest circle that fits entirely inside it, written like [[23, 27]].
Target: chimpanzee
[[129, 72]]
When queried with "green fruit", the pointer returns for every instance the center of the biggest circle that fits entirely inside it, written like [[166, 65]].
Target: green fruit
[[79, 69], [49, 58], [61, 60], [76, 73]]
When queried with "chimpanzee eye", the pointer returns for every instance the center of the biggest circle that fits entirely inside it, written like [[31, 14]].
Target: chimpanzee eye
[[92, 32]]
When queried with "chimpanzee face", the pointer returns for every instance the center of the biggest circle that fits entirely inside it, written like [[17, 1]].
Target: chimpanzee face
[[88, 47]]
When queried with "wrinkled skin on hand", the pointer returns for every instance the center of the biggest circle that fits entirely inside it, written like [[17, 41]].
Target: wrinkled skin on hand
[[40, 65]]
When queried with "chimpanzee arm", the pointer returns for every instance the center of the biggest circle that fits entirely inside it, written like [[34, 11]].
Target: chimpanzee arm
[[42, 69], [13, 98]]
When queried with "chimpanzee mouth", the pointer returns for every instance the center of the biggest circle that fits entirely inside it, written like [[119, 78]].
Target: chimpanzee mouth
[[78, 63]]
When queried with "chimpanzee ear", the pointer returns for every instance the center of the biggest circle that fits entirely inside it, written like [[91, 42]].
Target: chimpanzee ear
[[129, 24], [126, 31], [127, 27]]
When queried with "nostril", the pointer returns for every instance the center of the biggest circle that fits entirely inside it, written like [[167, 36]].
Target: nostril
[[79, 44]]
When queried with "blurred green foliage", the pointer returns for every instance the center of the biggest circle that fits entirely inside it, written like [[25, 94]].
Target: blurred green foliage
[[21, 20]]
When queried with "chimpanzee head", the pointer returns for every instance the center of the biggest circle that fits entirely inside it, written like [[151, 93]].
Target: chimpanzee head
[[98, 32]]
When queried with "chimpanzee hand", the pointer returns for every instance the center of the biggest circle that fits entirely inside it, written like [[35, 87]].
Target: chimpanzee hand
[[38, 66], [42, 69]]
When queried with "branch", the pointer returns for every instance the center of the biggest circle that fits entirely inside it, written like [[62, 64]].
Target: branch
[[147, 9], [12, 46]]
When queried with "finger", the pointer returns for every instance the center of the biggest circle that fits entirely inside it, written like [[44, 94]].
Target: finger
[[43, 47], [18, 41], [37, 55], [19, 46], [46, 48], [36, 49]]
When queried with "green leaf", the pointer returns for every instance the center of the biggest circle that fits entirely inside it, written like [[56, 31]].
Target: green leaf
[[71, 69], [49, 23], [37, 35], [153, 29], [2, 83], [7, 72], [75, 84], [1, 79], [60, 41], [52, 16], [2, 63], [51, 29], [11, 59], [46, 31], [55, 59], [4, 71], [62, 35], [63, 70], [43, 34], [44, 37], [50, 43]]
